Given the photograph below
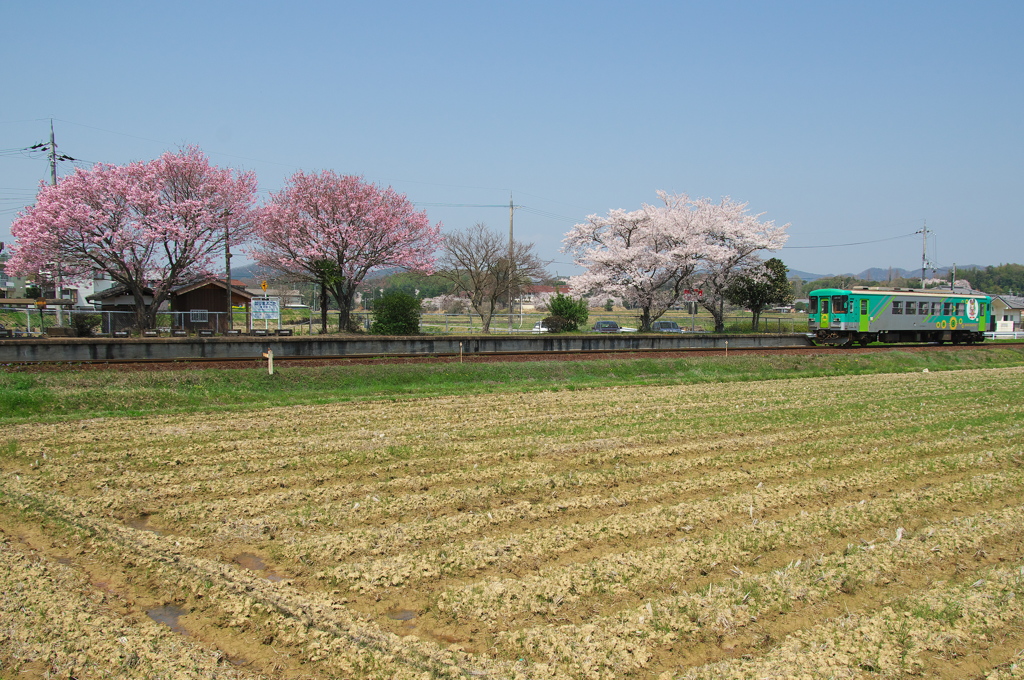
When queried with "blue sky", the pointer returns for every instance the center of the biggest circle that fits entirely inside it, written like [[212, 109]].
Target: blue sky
[[851, 121]]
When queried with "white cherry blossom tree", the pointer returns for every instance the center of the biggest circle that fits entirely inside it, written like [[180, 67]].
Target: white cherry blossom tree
[[733, 241], [648, 257]]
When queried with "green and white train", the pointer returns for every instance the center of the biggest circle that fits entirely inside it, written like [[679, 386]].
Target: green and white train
[[863, 315]]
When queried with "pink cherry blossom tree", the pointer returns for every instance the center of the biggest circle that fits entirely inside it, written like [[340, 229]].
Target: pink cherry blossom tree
[[647, 256], [150, 225], [650, 256], [333, 230]]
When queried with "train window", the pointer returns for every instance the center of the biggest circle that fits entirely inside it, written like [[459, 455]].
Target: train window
[[947, 308], [960, 308], [923, 307], [863, 307], [935, 308], [839, 304], [897, 307], [814, 304]]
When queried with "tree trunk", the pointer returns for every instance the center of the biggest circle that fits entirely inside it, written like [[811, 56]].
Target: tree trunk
[[755, 318], [718, 312], [346, 301], [485, 320], [145, 315], [645, 319], [324, 297], [484, 305]]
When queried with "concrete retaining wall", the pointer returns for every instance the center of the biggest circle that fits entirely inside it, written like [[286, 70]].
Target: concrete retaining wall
[[184, 349]]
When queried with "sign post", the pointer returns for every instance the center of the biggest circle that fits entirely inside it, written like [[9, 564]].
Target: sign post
[[691, 297], [266, 309], [41, 305]]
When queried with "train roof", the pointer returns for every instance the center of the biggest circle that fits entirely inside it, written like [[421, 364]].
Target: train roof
[[916, 292]]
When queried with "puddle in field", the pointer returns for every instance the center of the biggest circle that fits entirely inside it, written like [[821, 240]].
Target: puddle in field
[[408, 616], [415, 626], [142, 524], [255, 563], [450, 639], [401, 614], [168, 615]]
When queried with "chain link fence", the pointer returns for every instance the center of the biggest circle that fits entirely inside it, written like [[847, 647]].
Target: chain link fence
[[29, 322]]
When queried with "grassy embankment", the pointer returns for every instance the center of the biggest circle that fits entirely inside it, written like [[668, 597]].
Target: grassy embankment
[[72, 394]]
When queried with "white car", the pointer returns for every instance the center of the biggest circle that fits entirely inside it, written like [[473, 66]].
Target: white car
[[539, 327]]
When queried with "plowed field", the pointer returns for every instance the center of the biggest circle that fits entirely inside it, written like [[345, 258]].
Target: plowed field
[[844, 527]]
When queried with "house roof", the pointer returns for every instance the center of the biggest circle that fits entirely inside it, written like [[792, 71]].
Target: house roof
[[236, 287], [115, 291], [1011, 301], [538, 288]]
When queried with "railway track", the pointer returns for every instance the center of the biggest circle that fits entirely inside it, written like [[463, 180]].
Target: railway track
[[480, 357]]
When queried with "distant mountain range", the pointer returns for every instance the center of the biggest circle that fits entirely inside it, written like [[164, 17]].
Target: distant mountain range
[[254, 272], [884, 274]]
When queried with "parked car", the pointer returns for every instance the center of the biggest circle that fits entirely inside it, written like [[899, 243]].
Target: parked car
[[665, 327], [539, 327], [606, 327]]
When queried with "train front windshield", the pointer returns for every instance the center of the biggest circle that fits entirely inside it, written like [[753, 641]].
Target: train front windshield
[[840, 304]]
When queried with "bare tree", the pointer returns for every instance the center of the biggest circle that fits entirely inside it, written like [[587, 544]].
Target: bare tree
[[477, 263]]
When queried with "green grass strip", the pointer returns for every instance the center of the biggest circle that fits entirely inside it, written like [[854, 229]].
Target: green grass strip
[[74, 394]]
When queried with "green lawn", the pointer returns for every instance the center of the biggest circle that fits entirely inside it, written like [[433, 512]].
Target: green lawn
[[77, 393]]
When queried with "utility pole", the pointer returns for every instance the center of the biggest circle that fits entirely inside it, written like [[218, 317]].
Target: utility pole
[[53, 157], [227, 273], [924, 250], [53, 182], [511, 265]]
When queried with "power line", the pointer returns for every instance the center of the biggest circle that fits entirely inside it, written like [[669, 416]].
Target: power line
[[844, 245], [460, 205]]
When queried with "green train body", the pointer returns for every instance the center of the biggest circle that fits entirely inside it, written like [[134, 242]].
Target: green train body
[[861, 314]]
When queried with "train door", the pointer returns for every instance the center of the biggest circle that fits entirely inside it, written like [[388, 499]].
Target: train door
[[865, 319], [825, 309]]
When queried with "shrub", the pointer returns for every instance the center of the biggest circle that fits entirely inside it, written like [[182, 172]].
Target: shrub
[[396, 313], [85, 325], [571, 310], [557, 324]]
